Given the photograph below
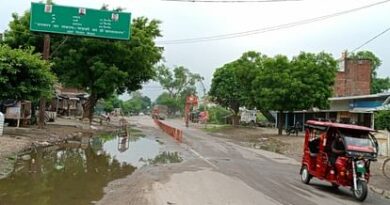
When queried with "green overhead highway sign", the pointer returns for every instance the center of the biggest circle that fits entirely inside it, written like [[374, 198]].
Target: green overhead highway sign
[[80, 21]]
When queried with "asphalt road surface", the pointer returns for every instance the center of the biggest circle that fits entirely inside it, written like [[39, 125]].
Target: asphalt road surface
[[222, 172]]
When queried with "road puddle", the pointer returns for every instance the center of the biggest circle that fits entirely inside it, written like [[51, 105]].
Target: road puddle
[[76, 172]]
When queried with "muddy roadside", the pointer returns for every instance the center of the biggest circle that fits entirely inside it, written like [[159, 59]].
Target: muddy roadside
[[16, 140], [291, 146], [137, 188]]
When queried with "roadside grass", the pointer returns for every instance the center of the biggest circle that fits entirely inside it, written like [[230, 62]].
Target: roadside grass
[[216, 127], [136, 133]]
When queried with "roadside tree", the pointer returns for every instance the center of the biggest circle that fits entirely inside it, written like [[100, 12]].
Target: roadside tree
[[176, 81], [302, 83], [170, 102], [179, 83], [102, 67], [113, 102], [382, 120], [23, 75], [231, 86], [136, 104]]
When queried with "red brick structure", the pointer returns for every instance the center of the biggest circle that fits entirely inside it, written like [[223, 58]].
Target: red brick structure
[[353, 77]]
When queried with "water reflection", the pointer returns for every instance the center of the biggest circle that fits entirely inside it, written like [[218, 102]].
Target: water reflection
[[74, 173], [165, 158]]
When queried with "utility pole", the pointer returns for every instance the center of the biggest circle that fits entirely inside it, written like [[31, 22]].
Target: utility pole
[[42, 101], [46, 56]]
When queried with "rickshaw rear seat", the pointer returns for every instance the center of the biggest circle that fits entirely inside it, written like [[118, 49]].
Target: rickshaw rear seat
[[314, 147]]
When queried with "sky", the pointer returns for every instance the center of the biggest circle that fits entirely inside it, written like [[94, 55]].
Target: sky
[[186, 20]]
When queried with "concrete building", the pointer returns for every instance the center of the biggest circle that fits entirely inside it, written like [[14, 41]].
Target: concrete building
[[357, 110]]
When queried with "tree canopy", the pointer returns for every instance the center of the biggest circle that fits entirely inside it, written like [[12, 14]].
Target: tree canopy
[[275, 83], [110, 103], [231, 85], [24, 75], [382, 120], [304, 82], [102, 67], [176, 81], [137, 103], [170, 102]]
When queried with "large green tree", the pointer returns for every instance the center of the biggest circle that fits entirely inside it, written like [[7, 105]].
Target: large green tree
[[166, 99], [24, 75], [104, 67], [101, 67], [20, 36], [113, 102], [179, 83], [226, 90], [137, 103], [302, 83], [231, 85], [316, 75], [177, 80], [378, 85]]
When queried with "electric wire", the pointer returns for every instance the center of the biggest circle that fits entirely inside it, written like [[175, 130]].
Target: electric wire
[[371, 39], [268, 29]]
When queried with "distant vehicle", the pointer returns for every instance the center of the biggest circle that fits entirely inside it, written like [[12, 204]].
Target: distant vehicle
[[160, 112], [248, 117], [141, 114]]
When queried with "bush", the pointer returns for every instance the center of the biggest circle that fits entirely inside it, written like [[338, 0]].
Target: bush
[[218, 114], [382, 120]]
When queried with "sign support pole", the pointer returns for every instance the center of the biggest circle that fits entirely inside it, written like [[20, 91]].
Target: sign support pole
[[42, 101]]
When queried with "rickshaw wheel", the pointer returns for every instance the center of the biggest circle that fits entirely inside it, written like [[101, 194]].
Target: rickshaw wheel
[[305, 176], [361, 192]]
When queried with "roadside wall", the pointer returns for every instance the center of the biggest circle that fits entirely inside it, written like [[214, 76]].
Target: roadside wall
[[383, 141]]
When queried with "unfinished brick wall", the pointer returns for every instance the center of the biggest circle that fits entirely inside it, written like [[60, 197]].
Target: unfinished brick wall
[[354, 80]]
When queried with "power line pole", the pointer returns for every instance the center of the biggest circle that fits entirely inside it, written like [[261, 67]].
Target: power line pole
[[46, 56], [42, 101]]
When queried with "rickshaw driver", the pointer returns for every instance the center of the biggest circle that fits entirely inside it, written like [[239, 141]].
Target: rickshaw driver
[[338, 149]]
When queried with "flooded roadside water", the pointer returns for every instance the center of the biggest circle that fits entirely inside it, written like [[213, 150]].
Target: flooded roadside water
[[76, 172]]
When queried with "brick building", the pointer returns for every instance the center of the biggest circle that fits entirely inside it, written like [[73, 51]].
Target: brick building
[[353, 77], [351, 101]]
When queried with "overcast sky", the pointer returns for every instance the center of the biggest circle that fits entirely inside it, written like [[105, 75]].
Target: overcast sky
[[191, 20]]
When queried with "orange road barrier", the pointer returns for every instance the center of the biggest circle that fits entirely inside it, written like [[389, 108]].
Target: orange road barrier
[[177, 134]]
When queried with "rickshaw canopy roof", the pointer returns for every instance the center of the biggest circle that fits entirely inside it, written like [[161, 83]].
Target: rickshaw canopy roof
[[337, 125]]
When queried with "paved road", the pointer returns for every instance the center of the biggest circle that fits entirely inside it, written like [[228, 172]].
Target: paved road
[[273, 175], [216, 171]]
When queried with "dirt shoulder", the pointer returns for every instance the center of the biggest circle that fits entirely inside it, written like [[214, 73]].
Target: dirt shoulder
[[15, 140], [291, 146]]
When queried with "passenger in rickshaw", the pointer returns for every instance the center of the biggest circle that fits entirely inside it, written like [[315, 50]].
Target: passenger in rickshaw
[[337, 149]]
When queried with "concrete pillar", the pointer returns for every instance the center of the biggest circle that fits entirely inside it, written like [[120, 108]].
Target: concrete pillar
[[276, 120], [286, 120], [1, 123], [295, 118], [388, 143]]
